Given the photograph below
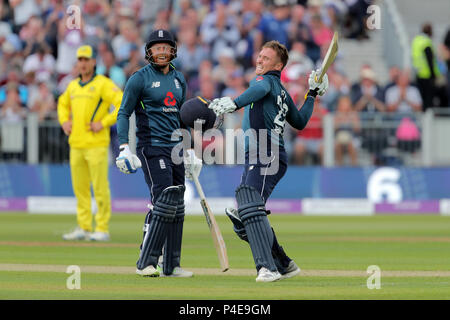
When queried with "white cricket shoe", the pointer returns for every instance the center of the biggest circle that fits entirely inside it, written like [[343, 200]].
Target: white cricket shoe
[[99, 236], [77, 234], [149, 271], [291, 271], [265, 275], [178, 272]]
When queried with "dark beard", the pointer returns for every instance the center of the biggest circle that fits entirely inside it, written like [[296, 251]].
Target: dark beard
[[158, 66]]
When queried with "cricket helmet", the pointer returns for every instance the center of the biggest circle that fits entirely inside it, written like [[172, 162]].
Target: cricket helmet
[[196, 110], [160, 36]]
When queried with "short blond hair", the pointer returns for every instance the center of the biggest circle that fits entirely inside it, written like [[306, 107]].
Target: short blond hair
[[280, 49]]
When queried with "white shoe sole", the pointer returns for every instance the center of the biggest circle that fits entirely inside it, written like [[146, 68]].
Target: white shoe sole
[[183, 274], [272, 279], [268, 280], [149, 271]]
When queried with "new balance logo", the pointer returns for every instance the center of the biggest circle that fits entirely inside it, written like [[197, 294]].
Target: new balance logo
[[156, 84]]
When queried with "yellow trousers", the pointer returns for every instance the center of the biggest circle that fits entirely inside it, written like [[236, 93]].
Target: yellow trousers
[[88, 166]]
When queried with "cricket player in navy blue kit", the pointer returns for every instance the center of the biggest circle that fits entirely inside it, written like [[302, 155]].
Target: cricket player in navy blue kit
[[155, 94], [267, 108]]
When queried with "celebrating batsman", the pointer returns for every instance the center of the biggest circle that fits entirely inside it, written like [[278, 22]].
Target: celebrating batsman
[[155, 94], [267, 107]]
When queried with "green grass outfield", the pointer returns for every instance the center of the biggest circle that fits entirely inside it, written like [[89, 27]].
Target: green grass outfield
[[413, 253]]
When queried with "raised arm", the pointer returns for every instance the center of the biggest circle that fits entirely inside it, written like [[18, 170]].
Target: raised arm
[[298, 118]]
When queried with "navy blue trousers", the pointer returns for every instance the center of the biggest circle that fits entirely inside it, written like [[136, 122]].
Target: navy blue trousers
[[264, 177], [159, 170]]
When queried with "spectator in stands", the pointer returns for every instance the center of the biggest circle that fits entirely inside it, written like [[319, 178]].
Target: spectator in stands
[[309, 141], [162, 20], [179, 11], [368, 100], [219, 31], [235, 84], [64, 81], [403, 98], [189, 19], [299, 31], [394, 72], [42, 63], [135, 62], [109, 69], [52, 15], [12, 115], [6, 12], [322, 34], [346, 126], [339, 86], [23, 11], [247, 21], [32, 34], [68, 42], [207, 89], [10, 57], [7, 35], [148, 13], [204, 74], [299, 63], [94, 20], [355, 23], [42, 101], [367, 95], [190, 53], [408, 135], [14, 77], [336, 12], [223, 70], [12, 109], [317, 8], [124, 41], [274, 24], [424, 61]]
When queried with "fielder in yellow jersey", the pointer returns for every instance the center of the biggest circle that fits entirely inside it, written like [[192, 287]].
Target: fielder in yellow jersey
[[85, 116]]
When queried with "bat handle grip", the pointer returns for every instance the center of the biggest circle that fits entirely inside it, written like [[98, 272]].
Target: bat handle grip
[[319, 80]]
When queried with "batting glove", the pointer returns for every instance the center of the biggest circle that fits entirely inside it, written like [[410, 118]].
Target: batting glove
[[126, 161], [314, 85], [222, 105], [192, 165]]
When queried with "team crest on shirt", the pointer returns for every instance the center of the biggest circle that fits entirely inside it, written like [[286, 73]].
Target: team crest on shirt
[[259, 78], [91, 89], [177, 84]]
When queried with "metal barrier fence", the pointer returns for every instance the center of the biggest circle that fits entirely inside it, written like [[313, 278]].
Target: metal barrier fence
[[383, 139], [388, 140], [33, 141]]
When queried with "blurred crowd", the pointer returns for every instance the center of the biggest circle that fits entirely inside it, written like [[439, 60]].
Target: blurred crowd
[[218, 42]]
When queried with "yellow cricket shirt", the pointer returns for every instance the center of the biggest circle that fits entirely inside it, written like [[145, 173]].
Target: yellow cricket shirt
[[88, 102]]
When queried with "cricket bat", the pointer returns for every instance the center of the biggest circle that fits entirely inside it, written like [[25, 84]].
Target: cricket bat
[[329, 57], [213, 227]]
